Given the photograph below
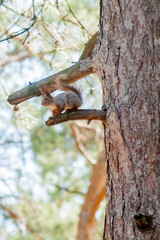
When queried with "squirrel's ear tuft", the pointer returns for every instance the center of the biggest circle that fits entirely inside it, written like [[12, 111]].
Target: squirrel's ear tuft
[[41, 91], [46, 90]]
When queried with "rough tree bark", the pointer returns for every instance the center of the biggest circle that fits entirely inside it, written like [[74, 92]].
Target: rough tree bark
[[127, 59]]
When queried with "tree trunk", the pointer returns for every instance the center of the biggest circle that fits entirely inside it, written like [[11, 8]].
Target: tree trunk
[[127, 59]]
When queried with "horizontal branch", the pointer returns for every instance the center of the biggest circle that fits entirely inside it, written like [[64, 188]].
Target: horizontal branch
[[80, 114], [69, 75]]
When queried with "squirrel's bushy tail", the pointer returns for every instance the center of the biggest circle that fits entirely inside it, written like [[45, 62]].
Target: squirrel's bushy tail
[[66, 87]]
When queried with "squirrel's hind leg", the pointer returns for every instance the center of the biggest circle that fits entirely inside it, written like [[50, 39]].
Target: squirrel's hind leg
[[71, 110]]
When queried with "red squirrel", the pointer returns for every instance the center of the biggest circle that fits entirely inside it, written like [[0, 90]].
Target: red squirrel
[[69, 100]]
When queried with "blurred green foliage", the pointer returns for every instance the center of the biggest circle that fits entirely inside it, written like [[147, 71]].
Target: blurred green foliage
[[43, 177]]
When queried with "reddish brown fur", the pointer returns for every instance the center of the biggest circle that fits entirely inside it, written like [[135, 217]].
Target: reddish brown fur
[[45, 92]]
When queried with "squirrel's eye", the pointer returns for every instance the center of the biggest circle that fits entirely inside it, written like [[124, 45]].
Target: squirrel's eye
[[46, 99]]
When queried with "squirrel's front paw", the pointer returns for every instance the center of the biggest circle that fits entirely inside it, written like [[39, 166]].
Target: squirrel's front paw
[[56, 114]]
